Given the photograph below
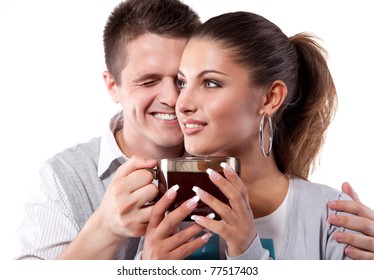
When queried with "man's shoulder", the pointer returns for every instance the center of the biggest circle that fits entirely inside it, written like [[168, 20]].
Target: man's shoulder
[[73, 172], [78, 155]]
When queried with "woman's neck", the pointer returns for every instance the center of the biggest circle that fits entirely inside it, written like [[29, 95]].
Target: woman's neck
[[267, 186]]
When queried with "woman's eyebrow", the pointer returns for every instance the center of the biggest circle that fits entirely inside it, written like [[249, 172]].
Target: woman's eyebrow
[[202, 73]]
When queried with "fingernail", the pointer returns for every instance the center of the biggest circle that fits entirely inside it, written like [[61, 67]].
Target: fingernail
[[348, 250], [195, 218], [332, 218], [338, 236], [206, 236], [172, 190], [199, 192], [331, 203], [213, 174], [211, 216], [224, 165], [193, 201]]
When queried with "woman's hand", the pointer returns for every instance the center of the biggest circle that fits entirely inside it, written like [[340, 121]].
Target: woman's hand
[[163, 240], [361, 247], [237, 224]]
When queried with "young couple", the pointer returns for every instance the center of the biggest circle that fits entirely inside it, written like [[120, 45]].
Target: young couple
[[243, 89]]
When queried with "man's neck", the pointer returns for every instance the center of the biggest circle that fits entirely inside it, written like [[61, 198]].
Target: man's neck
[[148, 151]]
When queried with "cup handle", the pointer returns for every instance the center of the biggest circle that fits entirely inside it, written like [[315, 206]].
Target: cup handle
[[155, 172]]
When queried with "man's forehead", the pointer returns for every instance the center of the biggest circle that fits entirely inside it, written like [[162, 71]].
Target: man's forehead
[[148, 37], [151, 55]]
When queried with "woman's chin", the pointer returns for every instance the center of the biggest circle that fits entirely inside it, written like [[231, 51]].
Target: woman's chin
[[197, 151], [201, 151]]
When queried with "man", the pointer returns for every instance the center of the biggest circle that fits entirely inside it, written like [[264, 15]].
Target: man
[[91, 203]]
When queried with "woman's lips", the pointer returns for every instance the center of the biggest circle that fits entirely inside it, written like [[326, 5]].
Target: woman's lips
[[193, 126]]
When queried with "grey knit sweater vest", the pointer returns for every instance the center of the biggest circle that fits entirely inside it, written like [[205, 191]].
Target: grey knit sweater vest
[[76, 169]]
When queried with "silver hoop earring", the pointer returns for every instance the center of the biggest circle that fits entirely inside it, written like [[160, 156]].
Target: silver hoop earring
[[261, 134]]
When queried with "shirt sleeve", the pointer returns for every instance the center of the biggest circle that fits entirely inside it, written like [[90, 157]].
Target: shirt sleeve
[[48, 226], [254, 252], [138, 255]]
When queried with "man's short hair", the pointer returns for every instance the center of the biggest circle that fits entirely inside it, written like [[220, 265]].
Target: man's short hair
[[133, 18]]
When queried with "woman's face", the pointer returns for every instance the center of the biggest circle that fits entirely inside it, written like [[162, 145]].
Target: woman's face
[[217, 108]]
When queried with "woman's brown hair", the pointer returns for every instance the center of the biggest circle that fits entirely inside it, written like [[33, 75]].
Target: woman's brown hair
[[301, 122]]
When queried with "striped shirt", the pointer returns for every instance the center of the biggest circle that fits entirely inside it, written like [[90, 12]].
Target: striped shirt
[[48, 225]]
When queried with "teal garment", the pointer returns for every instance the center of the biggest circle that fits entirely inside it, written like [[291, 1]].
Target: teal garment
[[268, 244], [210, 251]]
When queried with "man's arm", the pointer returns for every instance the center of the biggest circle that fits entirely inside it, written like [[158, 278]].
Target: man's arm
[[360, 247], [49, 230], [121, 214]]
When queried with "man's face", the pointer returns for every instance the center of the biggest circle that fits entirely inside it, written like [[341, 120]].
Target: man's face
[[148, 94]]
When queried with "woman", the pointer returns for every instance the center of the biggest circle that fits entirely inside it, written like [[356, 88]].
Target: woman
[[249, 91]]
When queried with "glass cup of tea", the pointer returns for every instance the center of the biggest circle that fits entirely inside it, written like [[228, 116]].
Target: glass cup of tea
[[188, 172]]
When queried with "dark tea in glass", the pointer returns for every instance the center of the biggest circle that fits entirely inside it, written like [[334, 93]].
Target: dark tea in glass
[[188, 172]]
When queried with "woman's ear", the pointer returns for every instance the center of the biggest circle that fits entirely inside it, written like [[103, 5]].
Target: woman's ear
[[111, 86], [274, 98]]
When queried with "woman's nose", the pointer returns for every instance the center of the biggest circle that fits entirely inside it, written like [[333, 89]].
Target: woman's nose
[[186, 103]]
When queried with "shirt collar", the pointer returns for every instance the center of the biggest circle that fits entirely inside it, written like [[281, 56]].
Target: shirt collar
[[109, 150]]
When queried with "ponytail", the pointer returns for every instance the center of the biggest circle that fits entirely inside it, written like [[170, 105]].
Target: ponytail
[[302, 127]]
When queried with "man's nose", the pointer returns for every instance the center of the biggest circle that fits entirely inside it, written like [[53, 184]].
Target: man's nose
[[168, 94]]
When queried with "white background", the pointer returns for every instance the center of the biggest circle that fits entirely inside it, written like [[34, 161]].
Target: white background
[[53, 94]]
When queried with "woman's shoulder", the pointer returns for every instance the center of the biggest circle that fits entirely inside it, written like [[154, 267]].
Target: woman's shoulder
[[315, 191]]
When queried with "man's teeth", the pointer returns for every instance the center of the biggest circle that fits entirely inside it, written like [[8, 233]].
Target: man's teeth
[[168, 117], [192, 125]]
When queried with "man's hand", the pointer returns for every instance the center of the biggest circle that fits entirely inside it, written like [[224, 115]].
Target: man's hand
[[122, 210], [360, 246], [121, 214]]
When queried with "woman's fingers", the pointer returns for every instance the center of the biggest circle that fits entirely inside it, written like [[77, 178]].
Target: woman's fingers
[[235, 191]]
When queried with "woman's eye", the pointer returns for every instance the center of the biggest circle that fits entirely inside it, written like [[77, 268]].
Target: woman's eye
[[180, 84], [212, 84]]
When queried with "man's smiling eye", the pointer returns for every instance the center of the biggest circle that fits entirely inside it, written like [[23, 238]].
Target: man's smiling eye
[[149, 83]]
